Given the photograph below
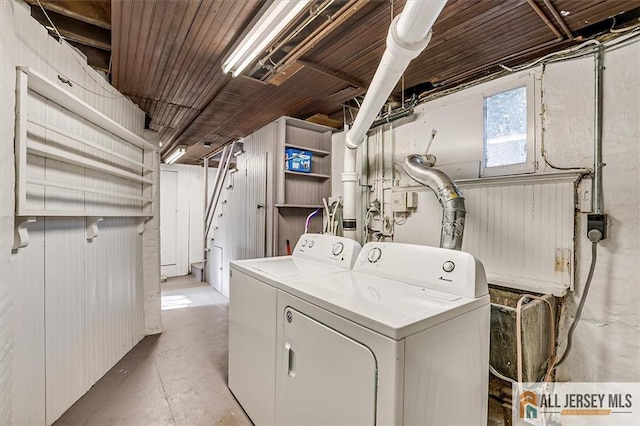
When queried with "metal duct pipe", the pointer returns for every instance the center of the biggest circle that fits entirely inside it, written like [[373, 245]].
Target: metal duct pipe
[[449, 196], [408, 36]]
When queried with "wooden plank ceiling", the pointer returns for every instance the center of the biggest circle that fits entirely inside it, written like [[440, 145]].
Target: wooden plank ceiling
[[167, 57]]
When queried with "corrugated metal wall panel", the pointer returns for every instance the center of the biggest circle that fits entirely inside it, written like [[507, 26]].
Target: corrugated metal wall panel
[[91, 291]]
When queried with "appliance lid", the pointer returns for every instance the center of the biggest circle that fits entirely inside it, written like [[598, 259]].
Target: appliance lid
[[289, 266], [392, 308], [271, 270]]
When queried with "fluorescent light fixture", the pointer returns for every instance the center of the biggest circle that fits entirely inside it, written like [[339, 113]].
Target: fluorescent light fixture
[[179, 152], [274, 19]]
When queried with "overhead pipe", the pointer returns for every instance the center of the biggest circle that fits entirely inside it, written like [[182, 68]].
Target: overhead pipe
[[408, 36], [418, 167]]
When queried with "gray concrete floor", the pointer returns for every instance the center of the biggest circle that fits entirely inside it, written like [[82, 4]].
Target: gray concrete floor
[[176, 378]]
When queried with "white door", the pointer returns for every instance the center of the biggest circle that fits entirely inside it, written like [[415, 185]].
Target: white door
[[324, 377], [168, 222], [256, 206], [214, 274]]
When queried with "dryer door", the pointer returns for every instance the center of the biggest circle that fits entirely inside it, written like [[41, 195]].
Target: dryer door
[[324, 377]]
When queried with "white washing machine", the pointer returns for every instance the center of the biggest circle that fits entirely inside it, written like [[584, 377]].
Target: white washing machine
[[403, 338], [252, 315]]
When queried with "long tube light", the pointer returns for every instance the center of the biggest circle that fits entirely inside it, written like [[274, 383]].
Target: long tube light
[[275, 18], [179, 152]]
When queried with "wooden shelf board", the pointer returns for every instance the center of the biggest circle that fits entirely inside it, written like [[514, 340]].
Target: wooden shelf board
[[309, 175], [299, 206], [315, 151]]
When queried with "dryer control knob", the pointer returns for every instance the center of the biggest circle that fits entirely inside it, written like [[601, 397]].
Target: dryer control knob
[[374, 254], [337, 248], [448, 266], [311, 243], [304, 243]]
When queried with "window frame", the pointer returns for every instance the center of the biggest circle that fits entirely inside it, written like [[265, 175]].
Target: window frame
[[529, 166]]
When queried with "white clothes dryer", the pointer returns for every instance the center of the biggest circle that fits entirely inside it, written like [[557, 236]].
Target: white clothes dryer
[[403, 338], [252, 314]]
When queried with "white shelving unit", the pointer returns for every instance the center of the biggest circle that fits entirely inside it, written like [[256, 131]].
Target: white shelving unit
[[298, 194], [80, 163], [73, 161]]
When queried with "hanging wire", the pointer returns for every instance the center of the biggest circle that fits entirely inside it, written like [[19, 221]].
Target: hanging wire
[[306, 224], [63, 78], [60, 38]]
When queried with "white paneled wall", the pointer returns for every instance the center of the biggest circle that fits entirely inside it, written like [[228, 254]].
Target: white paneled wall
[[522, 232], [65, 314], [254, 180], [114, 293], [69, 308]]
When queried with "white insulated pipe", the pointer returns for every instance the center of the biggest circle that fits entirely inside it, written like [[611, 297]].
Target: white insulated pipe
[[408, 36]]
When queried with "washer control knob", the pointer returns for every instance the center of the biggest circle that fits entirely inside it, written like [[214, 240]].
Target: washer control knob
[[304, 243], [374, 254], [448, 266], [337, 248], [311, 243]]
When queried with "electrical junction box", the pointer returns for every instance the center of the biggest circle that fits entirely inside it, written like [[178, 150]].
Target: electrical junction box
[[298, 160], [405, 201]]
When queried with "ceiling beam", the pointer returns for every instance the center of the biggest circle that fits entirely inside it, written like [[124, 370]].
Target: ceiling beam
[[74, 30], [558, 18], [546, 20], [94, 12], [337, 75]]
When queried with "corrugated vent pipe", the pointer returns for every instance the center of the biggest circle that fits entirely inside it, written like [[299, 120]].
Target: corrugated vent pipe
[[418, 167], [408, 36]]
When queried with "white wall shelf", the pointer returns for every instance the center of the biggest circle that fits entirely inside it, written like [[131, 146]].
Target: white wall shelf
[[73, 160], [42, 85], [84, 141], [63, 156]]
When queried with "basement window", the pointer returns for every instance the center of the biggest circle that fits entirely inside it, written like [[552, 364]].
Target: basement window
[[508, 131]]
